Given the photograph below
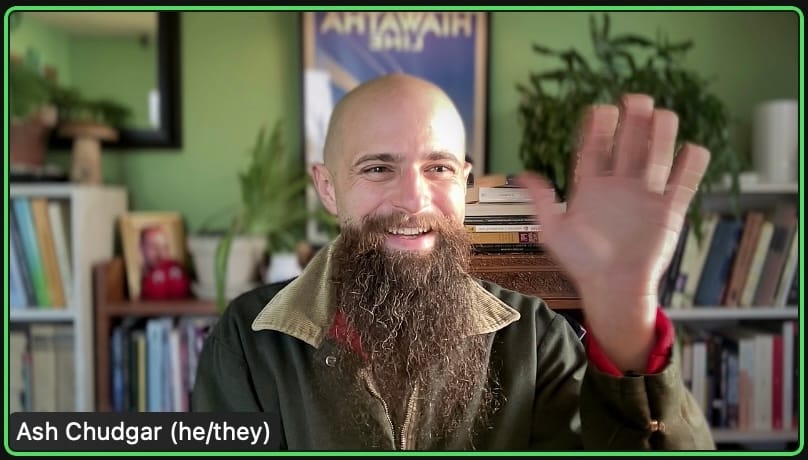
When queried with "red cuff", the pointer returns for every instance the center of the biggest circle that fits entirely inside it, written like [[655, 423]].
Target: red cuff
[[657, 360]]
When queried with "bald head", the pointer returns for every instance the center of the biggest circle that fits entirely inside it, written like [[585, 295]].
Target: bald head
[[395, 144], [378, 98]]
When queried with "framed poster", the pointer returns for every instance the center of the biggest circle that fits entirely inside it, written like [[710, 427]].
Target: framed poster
[[343, 49]]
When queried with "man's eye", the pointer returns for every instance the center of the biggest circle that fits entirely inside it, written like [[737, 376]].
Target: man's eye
[[376, 170], [442, 169]]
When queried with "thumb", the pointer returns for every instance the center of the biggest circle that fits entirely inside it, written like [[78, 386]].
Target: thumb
[[543, 195]]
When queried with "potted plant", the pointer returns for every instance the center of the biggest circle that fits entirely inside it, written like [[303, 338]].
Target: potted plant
[[33, 115], [270, 219], [552, 101], [39, 105]]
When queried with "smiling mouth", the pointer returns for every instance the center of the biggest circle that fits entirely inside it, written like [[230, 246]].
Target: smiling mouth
[[408, 231]]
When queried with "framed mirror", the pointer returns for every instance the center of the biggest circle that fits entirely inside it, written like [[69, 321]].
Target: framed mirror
[[129, 57]]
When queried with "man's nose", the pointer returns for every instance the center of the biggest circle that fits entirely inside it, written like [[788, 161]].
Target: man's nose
[[412, 194]]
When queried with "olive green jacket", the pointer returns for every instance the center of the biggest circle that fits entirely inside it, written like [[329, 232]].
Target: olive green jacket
[[270, 351]]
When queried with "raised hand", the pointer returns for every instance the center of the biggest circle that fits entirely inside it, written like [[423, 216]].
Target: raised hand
[[622, 220]]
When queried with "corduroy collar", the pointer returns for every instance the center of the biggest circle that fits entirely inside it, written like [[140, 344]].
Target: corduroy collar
[[305, 309]]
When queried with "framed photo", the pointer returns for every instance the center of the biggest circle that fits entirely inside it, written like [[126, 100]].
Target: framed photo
[[343, 49], [150, 238]]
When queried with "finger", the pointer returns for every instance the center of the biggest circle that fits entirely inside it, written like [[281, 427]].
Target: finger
[[664, 126], [597, 135], [631, 139], [543, 196], [688, 169]]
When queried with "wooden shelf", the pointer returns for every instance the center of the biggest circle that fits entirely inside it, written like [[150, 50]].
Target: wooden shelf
[[111, 305], [169, 307]]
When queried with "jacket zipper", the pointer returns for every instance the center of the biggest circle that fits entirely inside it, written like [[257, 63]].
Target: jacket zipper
[[407, 417]]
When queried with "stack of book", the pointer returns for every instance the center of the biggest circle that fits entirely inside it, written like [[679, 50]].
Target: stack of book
[[500, 217], [740, 262]]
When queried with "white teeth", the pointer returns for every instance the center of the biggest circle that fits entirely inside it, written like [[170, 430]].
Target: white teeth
[[407, 231]]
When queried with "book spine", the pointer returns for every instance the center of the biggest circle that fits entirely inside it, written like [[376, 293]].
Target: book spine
[[499, 228], [22, 208]]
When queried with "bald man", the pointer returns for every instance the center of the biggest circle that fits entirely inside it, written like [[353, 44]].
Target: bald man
[[386, 342]]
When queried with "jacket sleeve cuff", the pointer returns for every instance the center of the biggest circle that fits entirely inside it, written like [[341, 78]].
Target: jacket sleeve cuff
[[657, 360]]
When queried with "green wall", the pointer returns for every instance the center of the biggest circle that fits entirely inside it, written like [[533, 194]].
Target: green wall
[[242, 70], [122, 69], [239, 73], [49, 46], [751, 57], [118, 68]]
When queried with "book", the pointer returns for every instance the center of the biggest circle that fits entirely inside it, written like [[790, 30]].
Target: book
[[47, 250], [504, 248], [499, 228], [59, 220], [43, 362], [718, 262], [763, 385], [487, 181], [25, 272], [692, 265], [116, 343], [503, 195], [791, 266], [65, 367], [777, 382], [500, 220], [505, 209], [739, 342], [17, 344], [756, 265], [793, 297], [670, 278], [16, 295], [25, 222], [500, 209], [753, 222], [785, 224], [505, 237], [138, 364]]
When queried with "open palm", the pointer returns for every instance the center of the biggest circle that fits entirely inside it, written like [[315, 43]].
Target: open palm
[[628, 203]]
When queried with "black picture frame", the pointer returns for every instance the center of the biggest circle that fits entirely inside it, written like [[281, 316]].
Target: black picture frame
[[169, 134]]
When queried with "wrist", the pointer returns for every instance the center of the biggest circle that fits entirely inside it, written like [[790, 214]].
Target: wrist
[[623, 327]]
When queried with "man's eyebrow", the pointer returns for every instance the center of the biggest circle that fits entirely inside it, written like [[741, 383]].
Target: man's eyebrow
[[441, 155], [382, 157], [397, 158]]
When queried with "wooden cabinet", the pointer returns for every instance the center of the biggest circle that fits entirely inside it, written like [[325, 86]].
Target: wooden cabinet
[[112, 306], [533, 274]]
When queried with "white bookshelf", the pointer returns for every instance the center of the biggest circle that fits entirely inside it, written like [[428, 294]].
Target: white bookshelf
[[731, 314], [722, 435], [753, 195], [93, 214], [762, 188]]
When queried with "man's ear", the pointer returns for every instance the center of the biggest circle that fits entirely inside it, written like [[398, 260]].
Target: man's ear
[[466, 171], [324, 184]]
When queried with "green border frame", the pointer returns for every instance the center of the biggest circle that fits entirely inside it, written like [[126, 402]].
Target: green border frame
[[490, 8]]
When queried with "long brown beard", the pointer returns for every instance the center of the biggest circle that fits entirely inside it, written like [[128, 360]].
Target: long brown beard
[[411, 315]]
